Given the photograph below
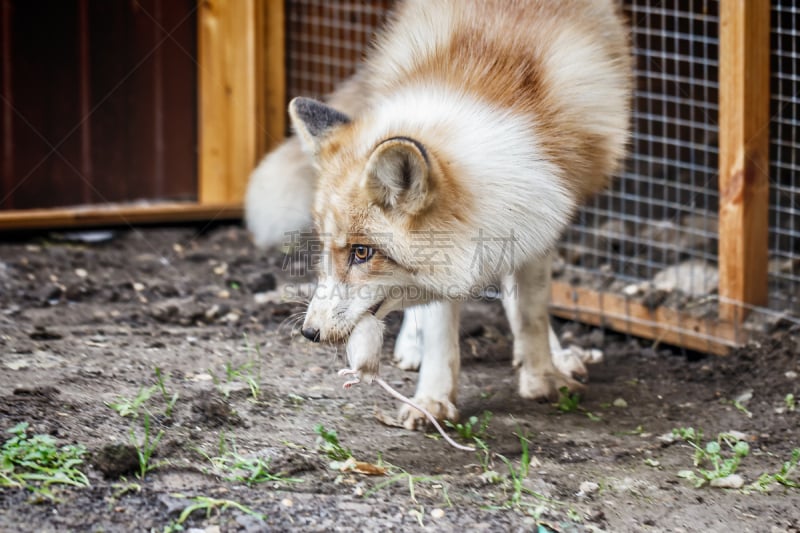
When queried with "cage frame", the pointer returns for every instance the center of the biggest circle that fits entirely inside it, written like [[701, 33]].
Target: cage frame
[[242, 68]]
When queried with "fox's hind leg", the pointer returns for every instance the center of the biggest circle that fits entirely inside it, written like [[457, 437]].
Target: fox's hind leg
[[440, 365], [572, 360], [526, 293]]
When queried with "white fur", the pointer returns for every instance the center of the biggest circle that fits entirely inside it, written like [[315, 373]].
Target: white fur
[[408, 346], [441, 361], [412, 39], [496, 155], [334, 298], [574, 65], [280, 194], [526, 293]]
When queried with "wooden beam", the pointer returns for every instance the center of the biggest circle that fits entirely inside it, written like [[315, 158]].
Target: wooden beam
[[623, 314], [115, 215], [271, 74], [743, 155], [227, 87]]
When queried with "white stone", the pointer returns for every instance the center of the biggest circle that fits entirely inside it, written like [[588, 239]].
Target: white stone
[[589, 487], [734, 481], [693, 277]]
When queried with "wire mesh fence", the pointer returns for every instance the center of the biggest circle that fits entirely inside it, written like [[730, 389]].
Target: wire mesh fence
[[784, 268], [657, 225], [326, 40], [661, 209]]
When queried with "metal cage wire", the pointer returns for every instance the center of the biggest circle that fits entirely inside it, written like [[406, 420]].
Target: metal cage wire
[[326, 40], [784, 223], [661, 208]]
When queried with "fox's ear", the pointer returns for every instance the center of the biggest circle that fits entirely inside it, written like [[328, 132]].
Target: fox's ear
[[398, 175], [313, 121]]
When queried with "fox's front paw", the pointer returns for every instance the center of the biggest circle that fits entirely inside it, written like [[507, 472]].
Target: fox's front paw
[[412, 418], [544, 386]]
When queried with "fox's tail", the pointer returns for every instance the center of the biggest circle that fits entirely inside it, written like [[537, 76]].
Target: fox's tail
[[279, 194], [281, 188]]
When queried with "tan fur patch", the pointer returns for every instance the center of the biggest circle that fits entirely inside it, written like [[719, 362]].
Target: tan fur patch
[[563, 66]]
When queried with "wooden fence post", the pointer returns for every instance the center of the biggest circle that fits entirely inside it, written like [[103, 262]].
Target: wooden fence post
[[271, 75], [227, 86], [744, 97]]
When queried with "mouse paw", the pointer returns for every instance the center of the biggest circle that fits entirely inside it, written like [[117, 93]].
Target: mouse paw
[[359, 376], [345, 372]]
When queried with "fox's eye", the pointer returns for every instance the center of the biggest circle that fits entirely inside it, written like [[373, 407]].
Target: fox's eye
[[361, 254]]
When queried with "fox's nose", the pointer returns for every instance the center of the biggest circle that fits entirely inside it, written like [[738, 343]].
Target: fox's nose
[[311, 334]]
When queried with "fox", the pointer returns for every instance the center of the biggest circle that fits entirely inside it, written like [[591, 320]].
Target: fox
[[449, 163]]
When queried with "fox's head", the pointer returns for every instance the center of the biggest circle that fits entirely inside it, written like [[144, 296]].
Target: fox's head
[[420, 198], [374, 211]]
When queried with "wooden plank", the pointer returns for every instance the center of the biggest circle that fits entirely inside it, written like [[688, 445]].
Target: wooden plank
[[271, 74], [227, 87], [623, 314], [6, 108], [116, 215], [743, 156], [45, 112]]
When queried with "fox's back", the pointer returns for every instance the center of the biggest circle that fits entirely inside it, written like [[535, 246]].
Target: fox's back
[[565, 64]]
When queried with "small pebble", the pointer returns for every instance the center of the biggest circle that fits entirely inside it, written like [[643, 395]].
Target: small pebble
[[667, 438], [231, 318], [287, 502], [791, 374], [260, 298], [734, 481], [437, 513], [631, 290], [81, 273], [745, 396], [620, 402], [738, 435], [589, 487]]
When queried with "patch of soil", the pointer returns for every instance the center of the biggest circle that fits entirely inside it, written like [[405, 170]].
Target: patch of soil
[[84, 326]]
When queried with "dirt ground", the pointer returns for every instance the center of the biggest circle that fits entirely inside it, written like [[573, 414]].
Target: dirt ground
[[85, 325]]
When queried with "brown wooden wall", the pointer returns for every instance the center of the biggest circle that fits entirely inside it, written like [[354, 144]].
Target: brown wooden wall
[[98, 101]]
